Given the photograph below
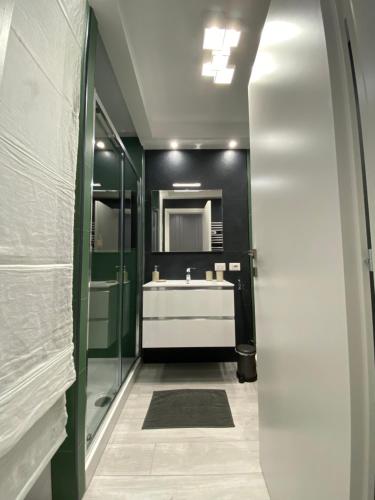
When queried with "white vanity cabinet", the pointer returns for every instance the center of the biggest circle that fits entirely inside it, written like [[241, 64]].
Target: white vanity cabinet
[[198, 314]]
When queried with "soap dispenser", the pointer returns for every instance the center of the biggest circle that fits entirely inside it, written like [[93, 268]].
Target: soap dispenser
[[155, 274]]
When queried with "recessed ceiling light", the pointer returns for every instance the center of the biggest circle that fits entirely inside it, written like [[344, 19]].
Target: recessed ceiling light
[[100, 144], [213, 38], [232, 144], [174, 144], [207, 69], [224, 76], [231, 38], [186, 184]]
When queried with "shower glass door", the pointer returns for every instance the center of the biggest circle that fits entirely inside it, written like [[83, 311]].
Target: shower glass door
[[129, 347], [114, 291], [105, 291]]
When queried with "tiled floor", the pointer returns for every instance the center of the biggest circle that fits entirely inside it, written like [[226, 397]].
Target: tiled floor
[[182, 464]]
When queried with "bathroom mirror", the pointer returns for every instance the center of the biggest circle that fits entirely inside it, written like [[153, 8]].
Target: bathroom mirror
[[187, 220]]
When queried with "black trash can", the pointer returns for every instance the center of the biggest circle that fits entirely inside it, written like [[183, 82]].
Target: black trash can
[[246, 367]]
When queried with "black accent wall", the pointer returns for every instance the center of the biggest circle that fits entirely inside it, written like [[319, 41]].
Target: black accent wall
[[214, 169]]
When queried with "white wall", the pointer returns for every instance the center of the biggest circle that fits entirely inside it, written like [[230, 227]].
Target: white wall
[[301, 294]]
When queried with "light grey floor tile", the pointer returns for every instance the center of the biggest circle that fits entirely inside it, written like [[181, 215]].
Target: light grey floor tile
[[126, 459], [136, 413], [244, 419], [243, 406], [224, 487], [130, 431], [136, 401], [136, 406], [206, 458], [233, 388]]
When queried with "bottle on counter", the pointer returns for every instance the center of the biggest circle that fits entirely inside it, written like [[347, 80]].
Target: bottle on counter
[[155, 274], [209, 276]]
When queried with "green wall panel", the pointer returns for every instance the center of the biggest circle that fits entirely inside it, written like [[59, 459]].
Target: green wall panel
[[135, 151]]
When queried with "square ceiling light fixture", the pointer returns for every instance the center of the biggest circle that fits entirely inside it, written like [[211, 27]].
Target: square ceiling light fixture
[[224, 76], [219, 60], [220, 38], [220, 41]]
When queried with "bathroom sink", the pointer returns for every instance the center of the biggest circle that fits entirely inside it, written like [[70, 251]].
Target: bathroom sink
[[192, 284]]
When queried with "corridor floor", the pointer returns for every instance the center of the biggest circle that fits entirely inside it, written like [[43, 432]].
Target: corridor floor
[[182, 464]]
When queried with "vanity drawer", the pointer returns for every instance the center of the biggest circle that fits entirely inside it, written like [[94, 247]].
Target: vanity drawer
[[188, 333], [188, 303]]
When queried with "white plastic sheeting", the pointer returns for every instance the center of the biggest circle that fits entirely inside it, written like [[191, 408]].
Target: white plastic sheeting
[[41, 47]]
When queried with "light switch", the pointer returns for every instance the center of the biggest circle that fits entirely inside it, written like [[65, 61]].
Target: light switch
[[220, 266], [234, 266]]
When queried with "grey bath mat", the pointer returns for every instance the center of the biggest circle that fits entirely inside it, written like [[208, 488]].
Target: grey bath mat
[[188, 408]]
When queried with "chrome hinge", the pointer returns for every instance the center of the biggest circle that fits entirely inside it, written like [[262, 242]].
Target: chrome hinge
[[252, 253], [369, 261], [253, 257]]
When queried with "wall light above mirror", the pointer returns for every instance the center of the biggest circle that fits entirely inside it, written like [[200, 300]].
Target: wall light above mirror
[[187, 220]]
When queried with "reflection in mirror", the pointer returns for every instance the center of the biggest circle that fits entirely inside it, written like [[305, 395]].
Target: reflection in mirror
[[187, 220]]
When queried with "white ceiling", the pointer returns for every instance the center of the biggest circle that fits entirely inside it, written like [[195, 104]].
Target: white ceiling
[[155, 48]]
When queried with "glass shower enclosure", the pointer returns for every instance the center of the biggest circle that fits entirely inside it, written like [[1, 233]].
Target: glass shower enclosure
[[113, 321]]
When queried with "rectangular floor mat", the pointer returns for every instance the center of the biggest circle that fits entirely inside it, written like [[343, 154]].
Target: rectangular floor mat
[[188, 408]]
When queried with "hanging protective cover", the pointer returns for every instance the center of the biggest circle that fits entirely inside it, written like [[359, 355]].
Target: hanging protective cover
[[21, 467], [41, 47]]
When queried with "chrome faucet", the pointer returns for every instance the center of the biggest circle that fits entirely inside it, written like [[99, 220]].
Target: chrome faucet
[[188, 274]]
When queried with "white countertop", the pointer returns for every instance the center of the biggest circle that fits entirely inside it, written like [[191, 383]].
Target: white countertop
[[192, 284]]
